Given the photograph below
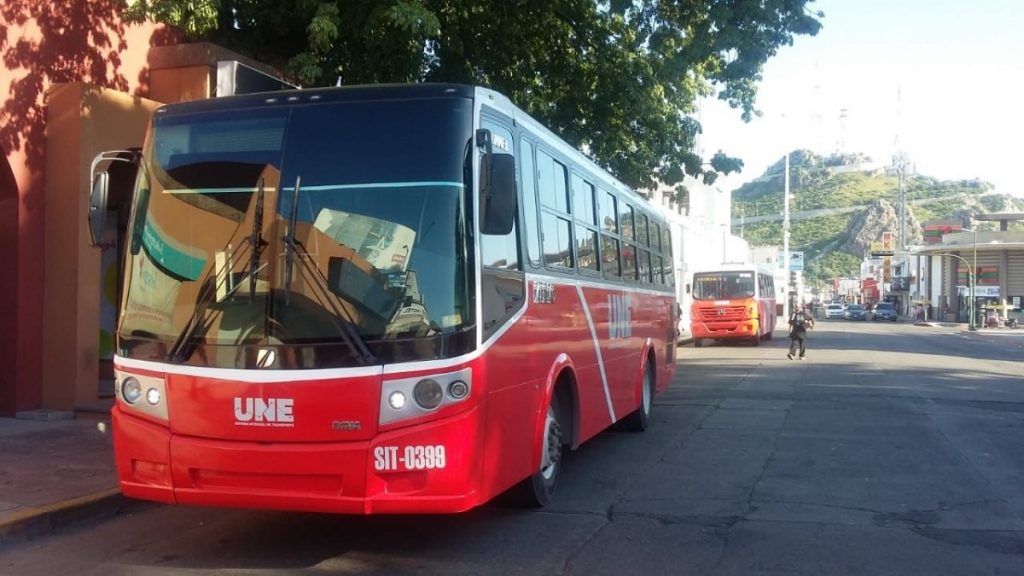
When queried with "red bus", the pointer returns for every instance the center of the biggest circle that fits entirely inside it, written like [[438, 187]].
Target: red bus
[[386, 299], [733, 303]]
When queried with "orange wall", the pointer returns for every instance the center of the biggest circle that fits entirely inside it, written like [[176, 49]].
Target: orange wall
[[82, 121], [47, 43]]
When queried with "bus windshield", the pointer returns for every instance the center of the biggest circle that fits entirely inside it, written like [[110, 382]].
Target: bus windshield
[[309, 231], [723, 285]]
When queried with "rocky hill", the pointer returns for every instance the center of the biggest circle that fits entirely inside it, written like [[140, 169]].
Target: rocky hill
[[841, 204]]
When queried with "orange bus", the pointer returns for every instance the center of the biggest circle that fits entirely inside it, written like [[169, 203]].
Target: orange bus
[[733, 303]]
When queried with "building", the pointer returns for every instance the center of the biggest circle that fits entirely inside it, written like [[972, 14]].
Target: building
[[78, 80], [995, 257]]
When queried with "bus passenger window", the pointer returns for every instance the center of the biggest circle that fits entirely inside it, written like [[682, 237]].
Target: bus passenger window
[[530, 223], [626, 221], [586, 248], [644, 263], [552, 187], [628, 261], [609, 217], [610, 256], [583, 200], [641, 229], [556, 238]]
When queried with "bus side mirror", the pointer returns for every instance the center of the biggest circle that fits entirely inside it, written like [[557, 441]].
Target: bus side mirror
[[98, 206], [100, 189], [497, 188]]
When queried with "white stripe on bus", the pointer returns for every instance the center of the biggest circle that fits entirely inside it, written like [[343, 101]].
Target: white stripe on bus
[[597, 350]]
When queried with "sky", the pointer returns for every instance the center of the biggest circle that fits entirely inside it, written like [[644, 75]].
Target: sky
[[943, 80]]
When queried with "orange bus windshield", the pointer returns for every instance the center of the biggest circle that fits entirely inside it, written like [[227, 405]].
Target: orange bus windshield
[[724, 285]]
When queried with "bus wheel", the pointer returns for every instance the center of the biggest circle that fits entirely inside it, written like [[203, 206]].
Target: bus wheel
[[756, 340], [640, 419], [536, 491], [769, 336], [698, 342]]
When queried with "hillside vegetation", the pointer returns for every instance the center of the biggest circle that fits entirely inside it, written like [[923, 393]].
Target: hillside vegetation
[[858, 201]]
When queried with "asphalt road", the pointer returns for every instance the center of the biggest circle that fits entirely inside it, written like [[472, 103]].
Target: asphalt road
[[894, 449]]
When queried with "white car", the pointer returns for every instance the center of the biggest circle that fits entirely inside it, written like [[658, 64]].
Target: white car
[[834, 311]]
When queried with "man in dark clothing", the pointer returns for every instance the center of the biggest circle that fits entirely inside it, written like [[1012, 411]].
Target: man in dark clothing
[[799, 323]]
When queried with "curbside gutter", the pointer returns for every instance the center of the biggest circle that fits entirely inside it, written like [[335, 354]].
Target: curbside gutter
[[30, 523]]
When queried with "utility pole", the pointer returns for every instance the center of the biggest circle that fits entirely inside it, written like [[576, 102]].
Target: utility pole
[[785, 238], [900, 163]]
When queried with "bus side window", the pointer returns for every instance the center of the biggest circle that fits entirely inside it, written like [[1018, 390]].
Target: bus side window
[[629, 255], [530, 222], [500, 250], [502, 283], [585, 211], [555, 222]]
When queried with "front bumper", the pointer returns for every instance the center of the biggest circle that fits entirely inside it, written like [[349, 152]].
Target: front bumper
[[346, 477], [725, 330]]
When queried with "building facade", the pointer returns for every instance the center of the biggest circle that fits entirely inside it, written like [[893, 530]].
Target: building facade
[[78, 80], [994, 257]]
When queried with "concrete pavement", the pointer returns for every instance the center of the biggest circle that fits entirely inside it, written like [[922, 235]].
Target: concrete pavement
[[55, 473]]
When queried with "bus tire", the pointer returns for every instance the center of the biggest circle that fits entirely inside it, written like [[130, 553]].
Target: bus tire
[[756, 340], [698, 342], [536, 491], [640, 419]]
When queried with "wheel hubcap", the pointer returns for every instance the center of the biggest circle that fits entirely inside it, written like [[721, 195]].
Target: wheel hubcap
[[647, 392], [552, 446]]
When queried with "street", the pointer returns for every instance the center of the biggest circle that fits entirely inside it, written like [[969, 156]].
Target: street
[[894, 449]]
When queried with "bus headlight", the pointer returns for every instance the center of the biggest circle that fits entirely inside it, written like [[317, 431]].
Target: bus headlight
[[131, 390], [396, 400], [142, 394], [428, 394], [423, 395], [458, 390]]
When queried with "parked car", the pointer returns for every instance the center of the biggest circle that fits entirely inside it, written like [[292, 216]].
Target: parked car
[[884, 311], [855, 312], [833, 311]]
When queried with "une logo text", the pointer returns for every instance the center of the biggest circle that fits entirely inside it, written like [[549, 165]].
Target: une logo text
[[264, 411]]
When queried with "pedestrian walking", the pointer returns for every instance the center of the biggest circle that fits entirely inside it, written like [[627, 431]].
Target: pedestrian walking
[[799, 323]]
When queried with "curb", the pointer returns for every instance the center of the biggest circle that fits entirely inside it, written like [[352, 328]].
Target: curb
[[45, 520]]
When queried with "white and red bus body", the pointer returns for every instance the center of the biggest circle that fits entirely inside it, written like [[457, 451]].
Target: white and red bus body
[[237, 387], [733, 302]]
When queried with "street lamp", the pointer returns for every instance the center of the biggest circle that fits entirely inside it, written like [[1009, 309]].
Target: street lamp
[[974, 279], [970, 286]]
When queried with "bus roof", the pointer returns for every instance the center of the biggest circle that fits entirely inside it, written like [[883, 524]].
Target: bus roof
[[408, 91], [316, 95]]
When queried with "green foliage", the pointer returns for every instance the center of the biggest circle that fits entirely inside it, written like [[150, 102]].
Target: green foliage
[[815, 187], [194, 17], [618, 78], [832, 265]]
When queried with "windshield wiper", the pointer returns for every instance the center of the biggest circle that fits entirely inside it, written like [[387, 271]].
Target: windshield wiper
[[346, 326], [289, 243], [208, 294], [343, 320], [257, 243]]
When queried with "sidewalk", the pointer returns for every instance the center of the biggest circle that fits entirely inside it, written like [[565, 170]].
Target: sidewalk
[[965, 328], [55, 473]]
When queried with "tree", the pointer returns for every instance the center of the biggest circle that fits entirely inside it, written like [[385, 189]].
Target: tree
[[617, 78]]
